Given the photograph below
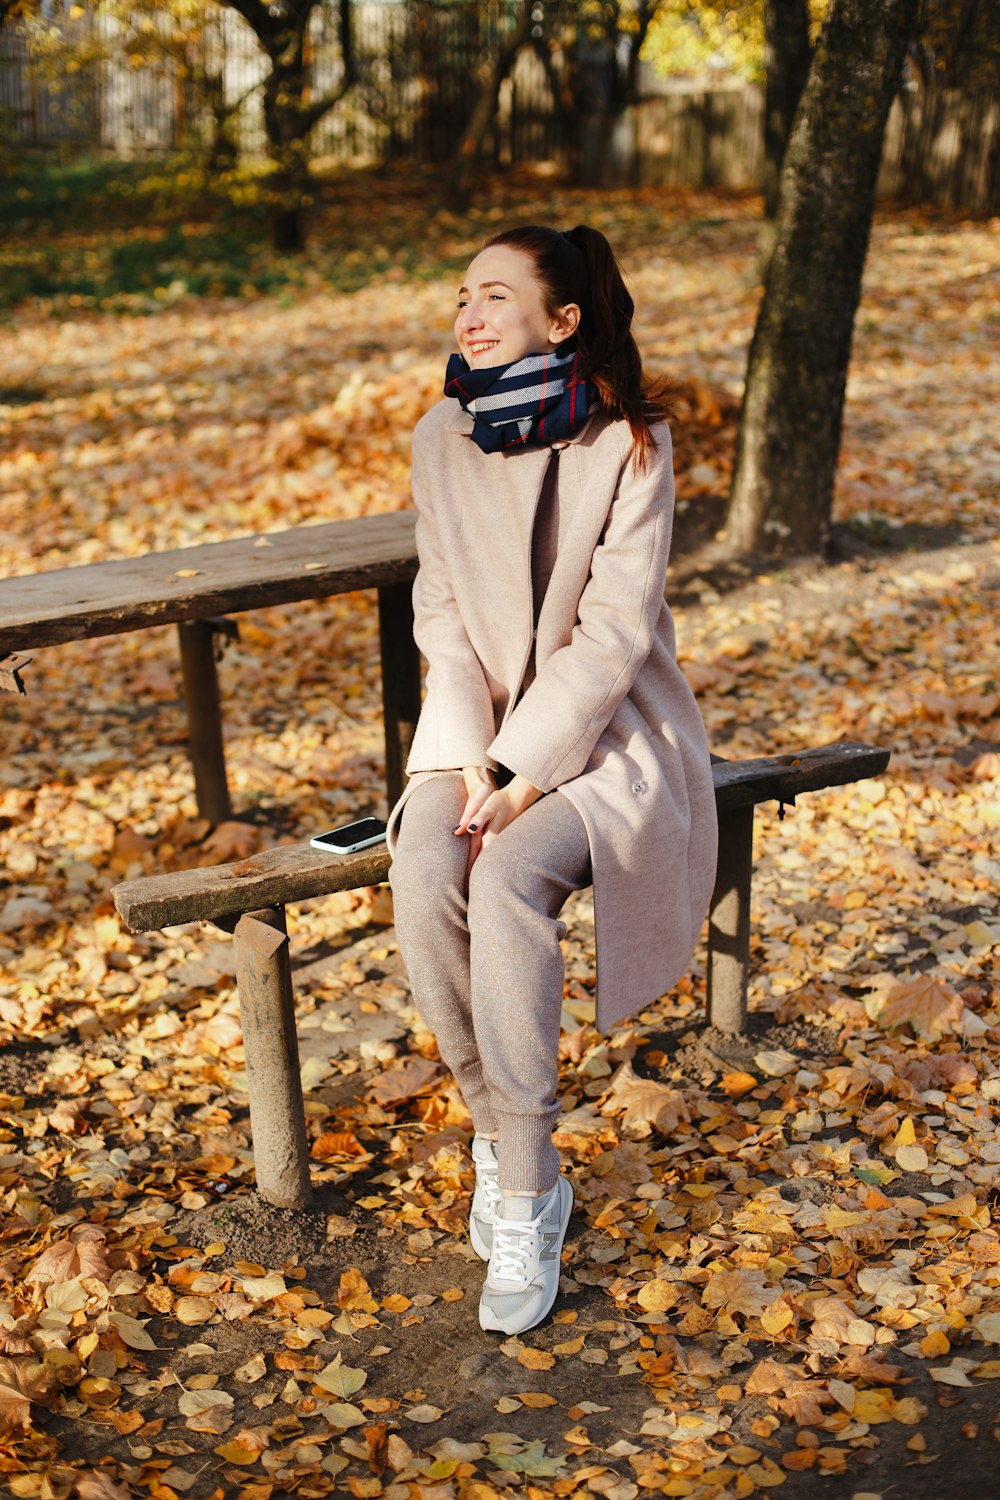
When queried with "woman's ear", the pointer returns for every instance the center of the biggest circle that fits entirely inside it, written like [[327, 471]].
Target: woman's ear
[[564, 323]]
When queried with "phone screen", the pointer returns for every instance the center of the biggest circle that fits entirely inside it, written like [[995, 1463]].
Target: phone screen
[[350, 834]]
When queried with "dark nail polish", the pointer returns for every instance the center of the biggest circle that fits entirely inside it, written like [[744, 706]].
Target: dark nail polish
[[473, 827]]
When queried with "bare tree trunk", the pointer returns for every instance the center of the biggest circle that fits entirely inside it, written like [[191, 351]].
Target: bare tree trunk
[[469, 150], [288, 117], [787, 55], [789, 437]]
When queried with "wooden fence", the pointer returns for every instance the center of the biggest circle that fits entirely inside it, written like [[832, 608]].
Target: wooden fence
[[417, 68]]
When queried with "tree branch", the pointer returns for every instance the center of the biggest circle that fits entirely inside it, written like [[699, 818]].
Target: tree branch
[[315, 111]]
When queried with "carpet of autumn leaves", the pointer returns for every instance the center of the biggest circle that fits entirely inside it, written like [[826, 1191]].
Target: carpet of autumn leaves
[[785, 1264]]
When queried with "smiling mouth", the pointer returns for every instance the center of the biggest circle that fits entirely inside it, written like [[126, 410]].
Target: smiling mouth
[[483, 346]]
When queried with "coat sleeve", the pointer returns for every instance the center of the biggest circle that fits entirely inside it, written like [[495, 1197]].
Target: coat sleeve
[[552, 732], [456, 721]]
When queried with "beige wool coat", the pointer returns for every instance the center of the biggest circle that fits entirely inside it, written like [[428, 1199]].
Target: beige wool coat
[[608, 718]]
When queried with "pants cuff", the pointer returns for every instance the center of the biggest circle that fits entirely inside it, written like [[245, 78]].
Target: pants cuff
[[477, 1099], [529, 1163]]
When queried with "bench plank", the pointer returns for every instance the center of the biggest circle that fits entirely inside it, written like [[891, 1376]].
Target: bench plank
[[780, 778], [253, 572], [288, 873], [297, 872]]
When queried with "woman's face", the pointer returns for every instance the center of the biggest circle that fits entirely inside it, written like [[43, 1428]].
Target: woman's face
[[501, 311]]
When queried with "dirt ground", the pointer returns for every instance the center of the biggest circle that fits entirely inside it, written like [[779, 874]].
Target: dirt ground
[[783, 1270]]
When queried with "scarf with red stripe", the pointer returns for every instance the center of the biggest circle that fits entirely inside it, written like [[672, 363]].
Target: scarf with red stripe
[[538, 399]]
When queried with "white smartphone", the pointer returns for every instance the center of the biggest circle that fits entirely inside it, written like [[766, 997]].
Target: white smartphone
[[351, 837]]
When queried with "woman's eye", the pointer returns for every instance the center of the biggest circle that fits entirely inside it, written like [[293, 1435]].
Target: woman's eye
[[460, 304], [497, 297]]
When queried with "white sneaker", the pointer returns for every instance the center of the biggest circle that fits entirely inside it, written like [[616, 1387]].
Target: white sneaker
[[486, 1198], [523, 1275]]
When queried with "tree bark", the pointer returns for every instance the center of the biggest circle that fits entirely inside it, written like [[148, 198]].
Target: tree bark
[[606, 153], [789, 436], [787, 55], [469, 150], [288, 118]]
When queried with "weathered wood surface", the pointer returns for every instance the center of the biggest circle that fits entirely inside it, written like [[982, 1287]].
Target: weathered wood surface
[[291, 872], [780, 778], [271, 1047], [297, 872], [309, 562]]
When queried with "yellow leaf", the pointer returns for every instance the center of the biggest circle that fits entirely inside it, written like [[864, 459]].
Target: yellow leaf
[[657, 1296], [873, 1406], [97, 1390], [933, 1344], [193, 1403], [425, 1412], [193, 1310], [909, 1410], [536, 1399], [355, 1293], [340, 1379], [738, 1083], [263, 1289], [776, 1317], [912, 1158], [535, 1359], [906, 1134], [238, 1453], [571, 1346]]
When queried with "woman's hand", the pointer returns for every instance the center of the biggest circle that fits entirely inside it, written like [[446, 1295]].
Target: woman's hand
[[479, 783], [494, 811]]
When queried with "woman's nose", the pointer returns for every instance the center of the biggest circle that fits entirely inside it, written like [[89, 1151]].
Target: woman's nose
[[470, 317]]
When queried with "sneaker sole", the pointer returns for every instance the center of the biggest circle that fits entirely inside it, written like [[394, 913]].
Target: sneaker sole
[[497, 1326]]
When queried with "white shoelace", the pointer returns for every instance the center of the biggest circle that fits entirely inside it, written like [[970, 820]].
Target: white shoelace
[[512, 1250], [491, 1189]]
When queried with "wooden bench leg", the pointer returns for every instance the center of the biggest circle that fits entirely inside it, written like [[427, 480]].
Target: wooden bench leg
[[204, 714], [277, 1115], [400, 680], [729, 923]]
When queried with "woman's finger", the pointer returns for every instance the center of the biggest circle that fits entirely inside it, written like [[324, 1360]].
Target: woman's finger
[[475, 849], [500, 815], [472, 807]]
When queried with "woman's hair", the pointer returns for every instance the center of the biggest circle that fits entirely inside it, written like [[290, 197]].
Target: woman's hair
[[580, 266]]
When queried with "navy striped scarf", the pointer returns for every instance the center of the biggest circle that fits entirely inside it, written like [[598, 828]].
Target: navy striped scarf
[[538, 399]]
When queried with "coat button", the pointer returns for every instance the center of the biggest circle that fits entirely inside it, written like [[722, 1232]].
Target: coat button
[[638, 787]]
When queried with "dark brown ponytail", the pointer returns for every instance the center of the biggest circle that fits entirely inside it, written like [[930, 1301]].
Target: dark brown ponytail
[[580, 266]]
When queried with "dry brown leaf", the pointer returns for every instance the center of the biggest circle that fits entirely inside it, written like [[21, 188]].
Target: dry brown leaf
[[354, 1292], [400, 1083], [925, 1004], [740, 1291], [643, 1104]]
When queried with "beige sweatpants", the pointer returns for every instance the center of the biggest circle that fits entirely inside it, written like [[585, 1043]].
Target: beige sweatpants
[[486, 969]]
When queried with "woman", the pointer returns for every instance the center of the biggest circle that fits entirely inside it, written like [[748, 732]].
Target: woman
[[558, 744]]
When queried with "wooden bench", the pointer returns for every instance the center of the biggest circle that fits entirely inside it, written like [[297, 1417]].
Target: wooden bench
[[249, 900], [196, 588]]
